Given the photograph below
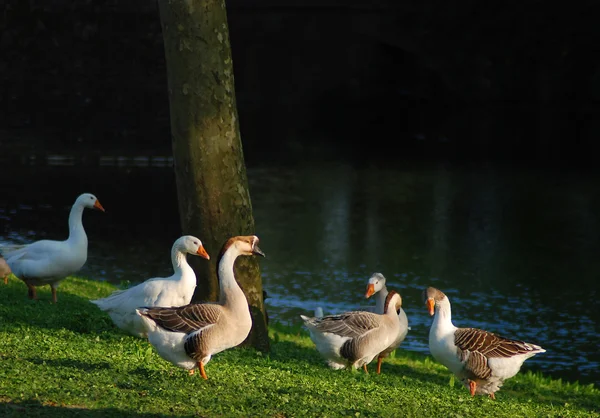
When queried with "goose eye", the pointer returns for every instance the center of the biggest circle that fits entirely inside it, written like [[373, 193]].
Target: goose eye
[[195, 242]]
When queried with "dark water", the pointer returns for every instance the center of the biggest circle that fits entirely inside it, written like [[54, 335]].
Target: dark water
[[515, 248]]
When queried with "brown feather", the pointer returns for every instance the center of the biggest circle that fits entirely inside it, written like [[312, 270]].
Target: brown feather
[[224, 248], [387, 300], [186, 319], [490, 344], [476, 346]]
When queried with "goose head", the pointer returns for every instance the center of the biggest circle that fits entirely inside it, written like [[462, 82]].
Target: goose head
[[242, 245], [191, 245], [88, 200], [393, 301], [432, 298], [375, 284]]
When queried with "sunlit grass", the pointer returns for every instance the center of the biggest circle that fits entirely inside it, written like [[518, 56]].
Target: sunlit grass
[[69, 360]]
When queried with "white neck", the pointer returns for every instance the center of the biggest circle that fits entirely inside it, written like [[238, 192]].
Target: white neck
[[76, 232], [228, 287], [442, 320], [391, 312], [380, 300], [180, 263]]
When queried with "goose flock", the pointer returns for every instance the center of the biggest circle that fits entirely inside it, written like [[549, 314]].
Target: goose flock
[[188, 334]]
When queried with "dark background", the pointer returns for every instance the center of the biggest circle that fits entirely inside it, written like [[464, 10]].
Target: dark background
[[439, 143], [513, 81]]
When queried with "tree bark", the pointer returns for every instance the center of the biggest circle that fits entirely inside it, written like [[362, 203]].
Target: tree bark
[[212, 185]]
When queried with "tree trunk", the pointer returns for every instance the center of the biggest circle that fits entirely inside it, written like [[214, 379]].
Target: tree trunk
[[212, 186]]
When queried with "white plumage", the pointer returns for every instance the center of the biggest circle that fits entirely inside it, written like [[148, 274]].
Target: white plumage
[[49, 262], [190, 335], [175, 290], [481, 360]]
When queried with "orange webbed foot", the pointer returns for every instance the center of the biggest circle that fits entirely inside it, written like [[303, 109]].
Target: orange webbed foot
[[472, 387]]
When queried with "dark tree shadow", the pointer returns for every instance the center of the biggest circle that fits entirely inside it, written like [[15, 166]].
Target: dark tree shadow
[[34, 408]]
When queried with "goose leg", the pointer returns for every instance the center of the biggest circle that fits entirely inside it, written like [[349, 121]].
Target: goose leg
[[365, 368], [379, 360], [472, 387], [6, 280], [202, 372], [492, 396], [191, 372], [31, 292], [53, 293]]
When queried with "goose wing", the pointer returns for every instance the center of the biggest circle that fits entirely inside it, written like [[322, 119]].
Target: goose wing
[[350, 324], [35, 251], [476, 346], [186, 319]]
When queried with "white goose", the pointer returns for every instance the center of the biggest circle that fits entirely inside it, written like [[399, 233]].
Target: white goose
[[481, 360], [49, 262], [376, 286], [4, 270], [189, 335], [175, 290], [352, 339]]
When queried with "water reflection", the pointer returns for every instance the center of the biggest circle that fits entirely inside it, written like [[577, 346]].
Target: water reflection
[[514, 249]]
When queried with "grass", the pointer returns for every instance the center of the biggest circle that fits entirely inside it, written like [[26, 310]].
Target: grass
[[68, 360]]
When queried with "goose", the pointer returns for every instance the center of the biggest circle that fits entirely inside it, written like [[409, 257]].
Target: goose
[[49, 262], [188, 336], [480, 359], [175, 290], [352, 339], [4, 270], [376, 285]]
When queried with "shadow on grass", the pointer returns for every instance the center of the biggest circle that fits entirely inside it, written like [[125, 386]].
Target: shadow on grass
[[291, 352], [71, 312], [33, 408]]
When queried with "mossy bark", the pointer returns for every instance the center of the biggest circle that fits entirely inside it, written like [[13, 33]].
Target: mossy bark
[[212, 185]]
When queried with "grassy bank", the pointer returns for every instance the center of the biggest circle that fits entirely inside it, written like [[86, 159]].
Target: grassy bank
[[69, 360]]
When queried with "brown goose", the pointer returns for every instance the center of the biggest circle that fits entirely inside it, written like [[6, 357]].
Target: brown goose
[[352, 339], [376, 285], [481, 360], [4, 270], [188, 336]]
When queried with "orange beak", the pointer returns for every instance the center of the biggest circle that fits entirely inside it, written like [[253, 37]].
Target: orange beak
[[98, 206], [430, 306], [370, 290], [202, 252]]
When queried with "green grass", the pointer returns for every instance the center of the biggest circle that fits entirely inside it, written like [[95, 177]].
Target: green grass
[[68, 360]]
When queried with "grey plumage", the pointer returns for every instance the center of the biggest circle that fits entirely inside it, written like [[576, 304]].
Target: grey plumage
[[353, 339]]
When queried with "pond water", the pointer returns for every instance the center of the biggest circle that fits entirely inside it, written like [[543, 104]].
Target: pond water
[[515, 248]]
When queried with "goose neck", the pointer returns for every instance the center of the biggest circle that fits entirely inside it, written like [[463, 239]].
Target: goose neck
[[443, 316], [76, 231], [179, 259], [225, 273], [380, 300]]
